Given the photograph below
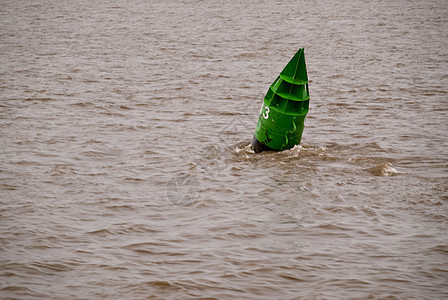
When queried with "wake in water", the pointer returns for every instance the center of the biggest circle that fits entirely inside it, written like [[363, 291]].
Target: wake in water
[[306, 153]]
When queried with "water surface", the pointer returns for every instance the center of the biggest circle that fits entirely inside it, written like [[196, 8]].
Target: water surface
[[125, 169]]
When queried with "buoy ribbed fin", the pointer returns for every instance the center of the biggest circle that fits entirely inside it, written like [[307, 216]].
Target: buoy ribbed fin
[[295, 70]]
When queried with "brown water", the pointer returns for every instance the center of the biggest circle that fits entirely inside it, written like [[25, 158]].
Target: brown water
[[126, 172]]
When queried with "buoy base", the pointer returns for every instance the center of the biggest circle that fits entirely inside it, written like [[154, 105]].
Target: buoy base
[[259, 146]]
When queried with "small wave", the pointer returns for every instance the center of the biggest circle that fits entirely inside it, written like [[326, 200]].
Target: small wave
[[298, 151], [101, 232], [440, 248], [95, 153], [50, 268], [15, 290], [243, 146], [42, 99], [383, 169], [83, 104]]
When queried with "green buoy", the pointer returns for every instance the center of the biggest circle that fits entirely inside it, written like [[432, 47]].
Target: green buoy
[[285, 106]]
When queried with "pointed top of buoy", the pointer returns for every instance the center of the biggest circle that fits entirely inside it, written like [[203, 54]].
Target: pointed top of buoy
[[295, 70]]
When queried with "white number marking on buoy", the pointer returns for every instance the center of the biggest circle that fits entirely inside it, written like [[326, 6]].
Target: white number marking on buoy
[[266, 113]]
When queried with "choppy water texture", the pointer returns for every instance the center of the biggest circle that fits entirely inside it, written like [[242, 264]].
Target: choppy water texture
[[125, 166]]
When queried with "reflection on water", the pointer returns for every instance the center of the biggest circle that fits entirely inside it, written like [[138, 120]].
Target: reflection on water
[[126, 169]]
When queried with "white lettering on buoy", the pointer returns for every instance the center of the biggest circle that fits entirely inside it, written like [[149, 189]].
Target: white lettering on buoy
[[266, 113]]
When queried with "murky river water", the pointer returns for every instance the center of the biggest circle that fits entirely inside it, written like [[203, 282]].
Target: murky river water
[[125, 168]]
